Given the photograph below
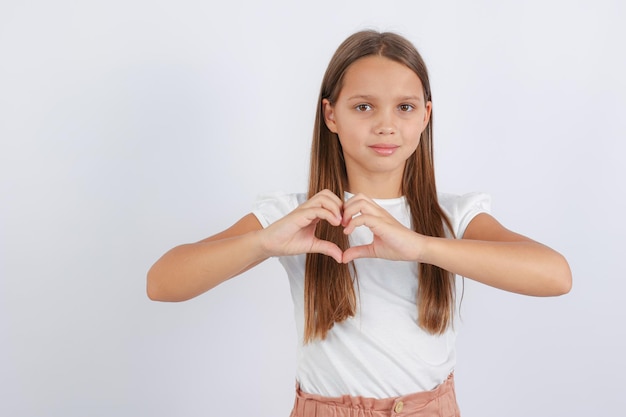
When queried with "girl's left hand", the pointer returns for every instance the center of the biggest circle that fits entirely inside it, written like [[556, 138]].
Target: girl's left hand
[[392, 240]]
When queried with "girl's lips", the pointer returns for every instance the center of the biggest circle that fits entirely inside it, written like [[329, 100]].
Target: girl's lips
[[384, 149]]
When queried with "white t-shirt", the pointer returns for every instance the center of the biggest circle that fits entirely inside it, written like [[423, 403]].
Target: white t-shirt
[[381, 352]]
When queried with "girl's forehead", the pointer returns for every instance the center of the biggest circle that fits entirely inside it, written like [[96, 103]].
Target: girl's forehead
[[376, 74]]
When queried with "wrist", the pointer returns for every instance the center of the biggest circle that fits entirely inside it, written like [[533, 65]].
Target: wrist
[[425, 248], [263, 243]]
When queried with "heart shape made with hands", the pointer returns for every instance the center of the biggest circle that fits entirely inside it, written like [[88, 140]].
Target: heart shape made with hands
[[294, 233], [329, 248], [390, 239]]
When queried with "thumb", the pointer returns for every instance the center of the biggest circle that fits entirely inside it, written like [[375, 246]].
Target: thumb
[[327, 248], [355, 252]]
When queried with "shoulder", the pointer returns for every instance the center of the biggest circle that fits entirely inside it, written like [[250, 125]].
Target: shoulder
[[461, 209], [270, 207], [458, 203]]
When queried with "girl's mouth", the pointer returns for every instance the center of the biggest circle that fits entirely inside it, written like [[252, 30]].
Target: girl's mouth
[[384, 149]]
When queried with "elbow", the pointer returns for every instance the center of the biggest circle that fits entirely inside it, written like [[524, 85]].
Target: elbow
[[160, 289], [562, 287], [156, 293], [152, 292], [565, 285], [562, 277], [154, 288]]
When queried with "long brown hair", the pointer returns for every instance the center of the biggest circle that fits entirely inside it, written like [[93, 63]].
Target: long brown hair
[[329, 288]]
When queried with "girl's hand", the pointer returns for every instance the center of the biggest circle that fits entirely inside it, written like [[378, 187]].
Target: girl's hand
[[392, 240], [294, 234]]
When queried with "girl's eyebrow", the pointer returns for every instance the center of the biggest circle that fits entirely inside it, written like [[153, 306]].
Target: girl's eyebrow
[[371, 97], [416, 98], [361, 97]]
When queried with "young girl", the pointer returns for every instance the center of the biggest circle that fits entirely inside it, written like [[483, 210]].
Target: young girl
[[372, 250]]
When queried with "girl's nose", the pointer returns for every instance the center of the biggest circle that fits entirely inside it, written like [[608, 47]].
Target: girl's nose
[[385, 124], [385, 130]]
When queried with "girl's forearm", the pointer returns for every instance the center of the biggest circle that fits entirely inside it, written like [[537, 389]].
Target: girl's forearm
[[191, 269], [524, 267]]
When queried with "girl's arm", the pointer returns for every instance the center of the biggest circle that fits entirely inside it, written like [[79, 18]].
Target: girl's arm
[[192, 269], [488, 252], [496, 256]]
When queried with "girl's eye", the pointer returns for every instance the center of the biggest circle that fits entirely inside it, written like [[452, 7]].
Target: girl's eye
[[363, 107], [405, 107]]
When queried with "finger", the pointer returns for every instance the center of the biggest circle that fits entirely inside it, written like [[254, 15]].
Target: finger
[[326, 200], [359, 207], [331, 195], [328, 195], [359, 198], [316, 213], [327, 248], [355, 252], [361, 220]]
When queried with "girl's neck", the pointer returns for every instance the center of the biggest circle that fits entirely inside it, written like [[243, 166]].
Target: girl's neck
[[383, 184], [373, 188]]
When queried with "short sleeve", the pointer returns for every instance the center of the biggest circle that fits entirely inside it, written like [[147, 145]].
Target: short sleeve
[[273, 206], [461, 209]]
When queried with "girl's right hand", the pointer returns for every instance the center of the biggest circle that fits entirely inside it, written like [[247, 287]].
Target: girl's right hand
[[294, 234]]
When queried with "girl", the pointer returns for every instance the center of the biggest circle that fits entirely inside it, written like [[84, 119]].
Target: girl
[[372, 250]]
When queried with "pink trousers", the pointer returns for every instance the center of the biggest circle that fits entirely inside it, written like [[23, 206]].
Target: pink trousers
[[440, 402]]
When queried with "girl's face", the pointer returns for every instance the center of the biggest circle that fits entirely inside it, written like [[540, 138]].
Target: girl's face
[[379, 116]]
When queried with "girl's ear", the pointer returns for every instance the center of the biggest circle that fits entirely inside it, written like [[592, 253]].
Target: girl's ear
[[429, 107], [329, 115]]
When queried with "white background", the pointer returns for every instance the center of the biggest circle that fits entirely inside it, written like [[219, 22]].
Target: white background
[[128, 127]]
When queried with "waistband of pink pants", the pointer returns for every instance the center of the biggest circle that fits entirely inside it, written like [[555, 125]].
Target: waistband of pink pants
[[440, 401]]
